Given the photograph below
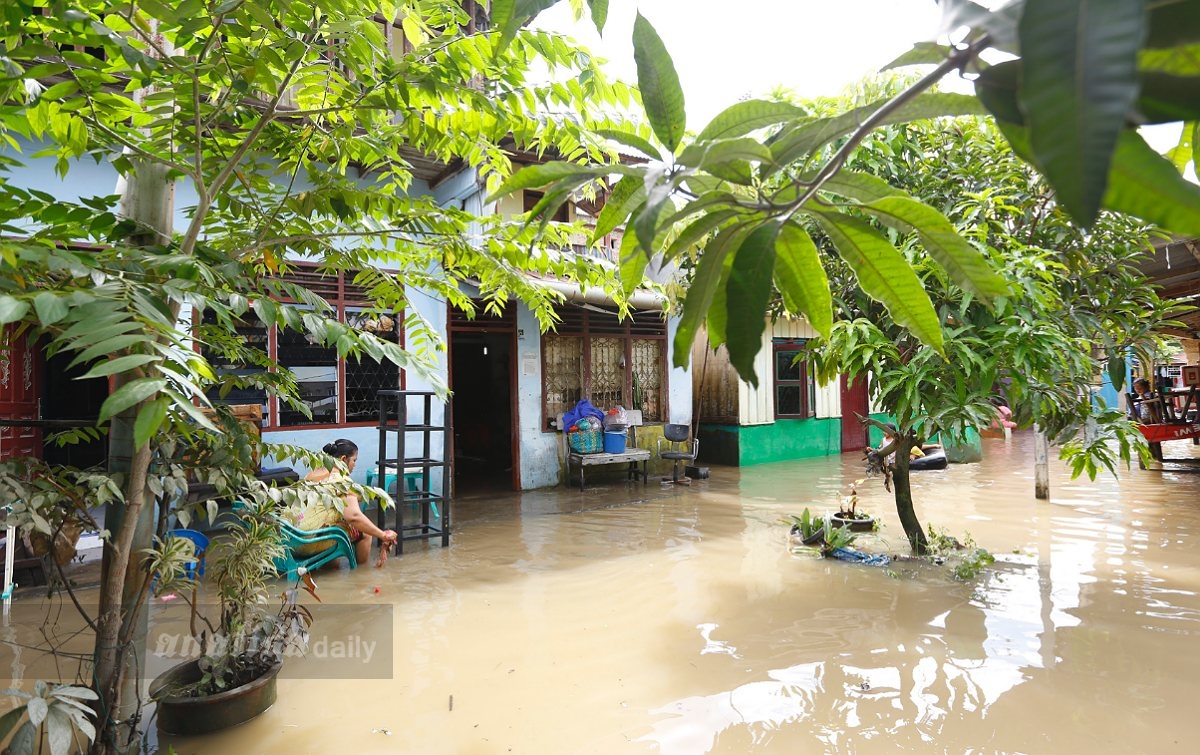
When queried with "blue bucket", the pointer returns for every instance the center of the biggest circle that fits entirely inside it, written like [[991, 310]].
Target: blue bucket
[[614, 443]]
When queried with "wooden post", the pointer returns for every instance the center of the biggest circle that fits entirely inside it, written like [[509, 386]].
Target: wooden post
[[1041, 464]]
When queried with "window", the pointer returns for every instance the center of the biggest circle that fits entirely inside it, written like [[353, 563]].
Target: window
[[336, 391], [611, 362], [795, 393]]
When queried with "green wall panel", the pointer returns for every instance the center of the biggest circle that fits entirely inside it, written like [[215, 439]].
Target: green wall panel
[[789, 439]]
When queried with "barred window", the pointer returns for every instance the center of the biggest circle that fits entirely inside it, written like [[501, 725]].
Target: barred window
[[609, 361]]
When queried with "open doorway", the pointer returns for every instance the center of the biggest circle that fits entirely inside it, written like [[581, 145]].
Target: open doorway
[[482, 376]]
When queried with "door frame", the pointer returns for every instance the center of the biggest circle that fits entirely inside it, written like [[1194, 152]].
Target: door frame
[[506, 324]]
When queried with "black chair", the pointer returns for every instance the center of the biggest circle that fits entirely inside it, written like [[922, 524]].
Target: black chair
[[674, 445]]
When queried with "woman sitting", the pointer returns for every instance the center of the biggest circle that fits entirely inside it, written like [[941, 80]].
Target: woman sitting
[[325, 513]]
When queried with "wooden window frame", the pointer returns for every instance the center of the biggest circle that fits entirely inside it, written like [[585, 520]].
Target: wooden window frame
[[804, 382], [340, 293], [581, 324]]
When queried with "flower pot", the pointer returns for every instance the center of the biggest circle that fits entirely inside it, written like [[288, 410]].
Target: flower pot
[[862, 524], [191, 716]]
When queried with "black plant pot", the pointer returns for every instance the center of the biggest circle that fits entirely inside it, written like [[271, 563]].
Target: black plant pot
[[866, 524], [191, 716]]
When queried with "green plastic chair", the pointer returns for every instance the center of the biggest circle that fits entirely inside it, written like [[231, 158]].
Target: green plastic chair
[[294, 538]]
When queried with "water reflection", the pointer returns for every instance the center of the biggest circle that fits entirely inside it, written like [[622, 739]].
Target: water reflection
[[676, 621]]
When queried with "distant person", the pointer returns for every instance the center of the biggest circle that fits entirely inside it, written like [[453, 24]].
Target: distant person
[[358, 525], [1146, 405], [889, 435]]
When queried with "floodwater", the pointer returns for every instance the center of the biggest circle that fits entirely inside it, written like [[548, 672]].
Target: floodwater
[[678, 621]]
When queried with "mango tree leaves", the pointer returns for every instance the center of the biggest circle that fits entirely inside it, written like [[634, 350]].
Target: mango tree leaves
[[941, 240], [1079, 80], [744, 117], [662, 95], [702, 289], [807, 136], [746, 298], [1145, 184], [801, 278], [883, 274]]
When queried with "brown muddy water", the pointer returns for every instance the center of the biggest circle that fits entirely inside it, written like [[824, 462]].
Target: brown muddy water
[[678, 621]]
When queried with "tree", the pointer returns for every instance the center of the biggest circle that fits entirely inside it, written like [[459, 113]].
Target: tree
[[1070, 108], [296, 127], [1077, 305], [757, 188]]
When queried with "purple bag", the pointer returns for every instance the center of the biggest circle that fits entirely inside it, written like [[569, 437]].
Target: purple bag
[[583, 409]]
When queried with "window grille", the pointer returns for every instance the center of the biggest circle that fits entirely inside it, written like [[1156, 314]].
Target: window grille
[[608, 372], [611, 362], [337, 391], [649, 367]]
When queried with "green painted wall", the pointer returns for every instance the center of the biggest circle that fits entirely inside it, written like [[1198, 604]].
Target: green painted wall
[[762, 444]]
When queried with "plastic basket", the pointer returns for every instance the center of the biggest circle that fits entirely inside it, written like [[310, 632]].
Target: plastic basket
[[586, 441]]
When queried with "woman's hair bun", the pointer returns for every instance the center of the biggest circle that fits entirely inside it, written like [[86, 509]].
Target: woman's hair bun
[[341, 448]]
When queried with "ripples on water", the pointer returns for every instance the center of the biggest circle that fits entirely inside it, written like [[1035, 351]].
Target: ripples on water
[[677, 621]]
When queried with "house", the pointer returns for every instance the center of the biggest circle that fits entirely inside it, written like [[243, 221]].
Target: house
[[787, 416], [508, 379]]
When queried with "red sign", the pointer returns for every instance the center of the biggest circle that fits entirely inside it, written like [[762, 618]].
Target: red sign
[[1159, 433], [1191, 374]]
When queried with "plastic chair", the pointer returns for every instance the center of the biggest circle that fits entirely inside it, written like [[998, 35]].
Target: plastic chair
[[295, 538], [675, 446], [194, 568]]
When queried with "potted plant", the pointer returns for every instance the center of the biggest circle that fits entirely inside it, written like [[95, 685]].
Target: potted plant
[[821, 533], [807, 528], [234, 680], [848, 514]]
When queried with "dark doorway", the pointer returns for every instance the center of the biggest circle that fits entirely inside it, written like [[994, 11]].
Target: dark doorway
[[67, 399], [481, 376], [854, 402]]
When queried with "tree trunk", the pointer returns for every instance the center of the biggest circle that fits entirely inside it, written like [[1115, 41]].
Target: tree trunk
[[148, 199], [904, 502]]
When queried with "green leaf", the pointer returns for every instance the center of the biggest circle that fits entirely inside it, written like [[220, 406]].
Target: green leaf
[[744, 117], [633, 263], [1166, 98], [728, 159], [807, 137], [696, 232], [627, 194], [11, 309], [662, 95], [9, 720], [922, 53], [128, 395], [537, 176], [704, 284], [746, 299], [801, 278], [1145, 184], [1079, 82], [1173, 23], [633, 141], [149, 419], [966, 265], [862, 187], [645, 224], [50, 308], [599, 13], [1116, 372], [120, 364], [884, 275]]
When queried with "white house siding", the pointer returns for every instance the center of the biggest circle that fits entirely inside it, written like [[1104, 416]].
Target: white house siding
[[756, 406]]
